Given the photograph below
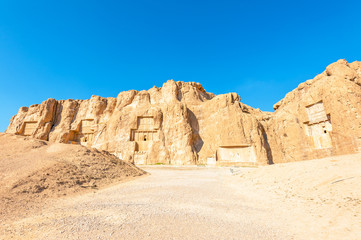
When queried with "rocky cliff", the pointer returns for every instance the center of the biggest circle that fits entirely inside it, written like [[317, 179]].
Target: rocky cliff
[[181, 123], [320, 118]]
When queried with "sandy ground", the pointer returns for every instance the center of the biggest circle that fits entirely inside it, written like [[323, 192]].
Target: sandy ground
[[318, 199], [35, 172], [322, 197]]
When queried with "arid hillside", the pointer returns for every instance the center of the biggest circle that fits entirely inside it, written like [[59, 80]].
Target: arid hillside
[[32, 170]]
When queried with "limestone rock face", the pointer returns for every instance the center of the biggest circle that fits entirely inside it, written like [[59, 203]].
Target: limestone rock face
[[320, 118], [179, 123], [35, 120]]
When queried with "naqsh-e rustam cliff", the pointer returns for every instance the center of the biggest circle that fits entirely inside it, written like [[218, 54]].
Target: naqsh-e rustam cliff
[[181, 123]]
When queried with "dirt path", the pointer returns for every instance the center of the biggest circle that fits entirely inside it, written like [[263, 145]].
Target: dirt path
[[176, 203], [168, 204]]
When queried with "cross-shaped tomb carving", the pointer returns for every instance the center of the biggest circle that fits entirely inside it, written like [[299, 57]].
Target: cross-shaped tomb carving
[[144, 134], [319, 126]]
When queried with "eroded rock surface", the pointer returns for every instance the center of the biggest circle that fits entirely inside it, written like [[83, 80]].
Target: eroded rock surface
[[181, 123], [320, 118]]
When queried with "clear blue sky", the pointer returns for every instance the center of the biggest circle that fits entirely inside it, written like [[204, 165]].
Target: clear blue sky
[[259, 49]]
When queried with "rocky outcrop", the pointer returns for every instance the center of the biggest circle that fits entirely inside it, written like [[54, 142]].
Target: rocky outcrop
[[181, 123], [320, 118]]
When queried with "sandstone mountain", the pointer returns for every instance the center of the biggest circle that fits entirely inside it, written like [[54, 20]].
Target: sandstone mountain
[[181, 123]]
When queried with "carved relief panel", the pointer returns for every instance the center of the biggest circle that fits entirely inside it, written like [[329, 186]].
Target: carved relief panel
[[144, 134], [29, 128], [316, 113], [86, 132], [236, 154], [319, 126]]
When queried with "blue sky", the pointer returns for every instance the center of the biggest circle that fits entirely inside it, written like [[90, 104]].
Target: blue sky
[[259, 49]]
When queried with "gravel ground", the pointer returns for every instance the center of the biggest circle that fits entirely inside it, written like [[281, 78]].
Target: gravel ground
[[171, 203]]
